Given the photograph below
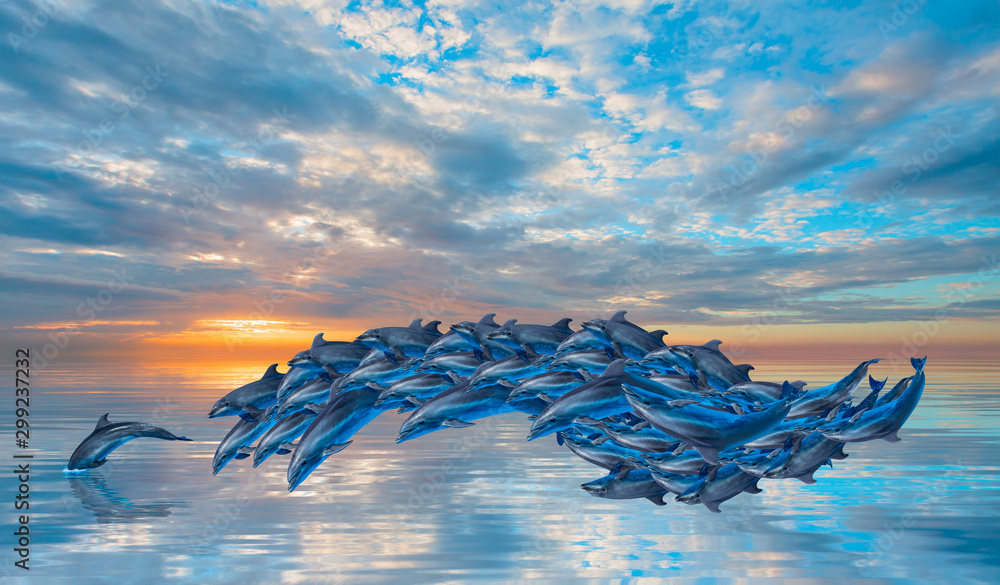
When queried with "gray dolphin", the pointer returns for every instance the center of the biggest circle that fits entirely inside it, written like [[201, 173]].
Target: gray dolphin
[[536, 339], [608, 455], [278, 439], [675, 483], [382, 371], [710, 431], [236, 443], [896, 391], [594, 361], [107, 436], [637, 483], [331, 430], [507, 371], [664, 358], [883, 422], [816, 401], [550, 384], [294, 379], [712, 367], [450, 342], [455, 407], [684, 463], [805, 457], [460, 364], [719, 485], [477, 335], [579, 340], [315, 392], [641, 437], [257, 394], [415, 389], [411, 341], [623, 336], [342, 356], [595, 399], [761, 391]]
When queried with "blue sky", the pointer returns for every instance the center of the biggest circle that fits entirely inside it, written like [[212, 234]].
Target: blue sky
[[693, 162]]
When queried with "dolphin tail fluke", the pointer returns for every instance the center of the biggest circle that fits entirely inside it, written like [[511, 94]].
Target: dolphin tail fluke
[[918, 364]]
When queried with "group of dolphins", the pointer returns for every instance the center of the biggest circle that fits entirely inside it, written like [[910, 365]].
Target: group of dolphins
[[679, 419]]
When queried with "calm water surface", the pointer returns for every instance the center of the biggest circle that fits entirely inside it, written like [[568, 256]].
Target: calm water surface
[[481, 504]]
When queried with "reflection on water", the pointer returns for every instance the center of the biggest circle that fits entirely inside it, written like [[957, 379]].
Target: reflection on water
[[107, 505], [481, 504]]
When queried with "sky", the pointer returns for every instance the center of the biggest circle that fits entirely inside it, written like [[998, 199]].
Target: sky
[[210, 178]]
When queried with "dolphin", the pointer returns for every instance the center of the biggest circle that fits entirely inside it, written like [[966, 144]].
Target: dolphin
[[816, 401], [719, 485], [450, 342], [455, 407], [294, 379], [278, 439], [684, 463], [506, 371], [460, 364], [622, 336], [315, 392], [551, 384], [415, 389], [595, 399], [805, 457], [536, 339], [896, 391], [236, 443], [608, 455], [258, 394], [664, 359], [675, 483], [411, 341], [476, 334], [683, 383], [382, 371], [640, 437], [761, 391], [579, 340], [331, 430], [342, 356], [712, 367], [710, 431], [594, 361], [637, 483], [867, 404], [107, 436], [883, 422]]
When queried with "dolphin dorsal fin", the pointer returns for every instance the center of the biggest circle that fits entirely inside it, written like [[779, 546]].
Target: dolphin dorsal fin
[[713, 345], [432, 327], [562, 323], [744, 369], [488, 320], [615, 368], [318, 340], [102, 422], [415, 324], [272, 370], [619, 317], [508, 323]]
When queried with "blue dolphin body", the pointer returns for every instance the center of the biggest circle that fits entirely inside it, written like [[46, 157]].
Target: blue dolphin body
[[531, 339], [623, 336], [641, 437], [450, 342], [477, 335], [675, 483], [460, 364], [805, 457], [108, 436], [257, 394], [331, 430], [608, 455], [340, 356], [595, 399], [684, 463], [594, 361], [710, 431], [236, 443], [896, 391], [718, 486], [278, 439], [579, 340], [816, 401], [711, 367], [506, 371], [415, 389], [637, 483], [315, 392], [549, 384], [664, 359], [455, 407], [883, 422], [294, 379], [412, 341]]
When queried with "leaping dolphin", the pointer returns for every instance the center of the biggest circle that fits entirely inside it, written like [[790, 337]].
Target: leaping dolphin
[[455, 407], [582, 339], [623, 336], [108, 436], [342, 356], [524, 339], [816, 401], [637, 483], [411, 341], [257, 394], [719, 485]]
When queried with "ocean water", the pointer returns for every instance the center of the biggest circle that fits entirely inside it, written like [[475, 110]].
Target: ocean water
[[483, 505]]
